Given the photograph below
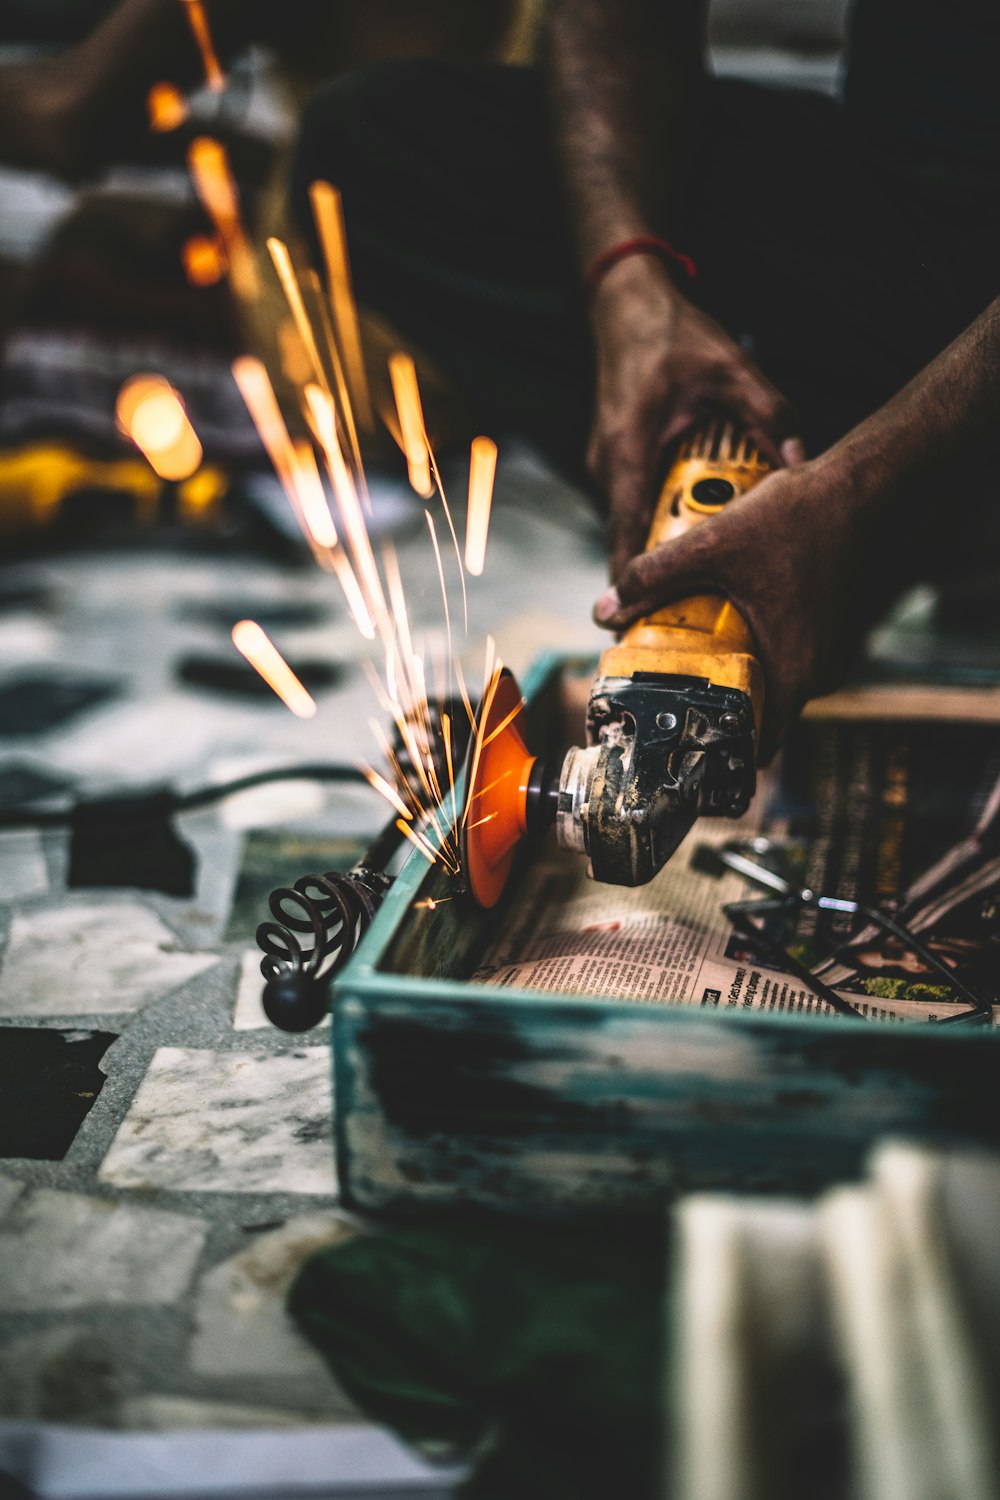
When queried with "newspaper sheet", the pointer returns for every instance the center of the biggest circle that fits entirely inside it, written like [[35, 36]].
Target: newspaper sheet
[[896, 815]]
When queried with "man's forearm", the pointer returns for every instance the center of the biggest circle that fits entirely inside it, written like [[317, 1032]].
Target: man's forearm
[[619, 72], [945, 416]]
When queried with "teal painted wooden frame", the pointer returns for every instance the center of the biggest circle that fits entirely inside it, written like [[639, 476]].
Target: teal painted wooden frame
[[448, 1093]]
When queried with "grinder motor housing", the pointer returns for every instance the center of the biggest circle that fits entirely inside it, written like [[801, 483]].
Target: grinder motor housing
[[675, 709]]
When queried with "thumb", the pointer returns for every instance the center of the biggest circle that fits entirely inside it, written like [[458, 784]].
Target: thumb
[[671, 571]]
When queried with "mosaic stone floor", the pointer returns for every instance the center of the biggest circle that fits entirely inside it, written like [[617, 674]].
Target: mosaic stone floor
[[165, 1156]]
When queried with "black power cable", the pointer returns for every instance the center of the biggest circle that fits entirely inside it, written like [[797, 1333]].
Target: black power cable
[[170, 802]]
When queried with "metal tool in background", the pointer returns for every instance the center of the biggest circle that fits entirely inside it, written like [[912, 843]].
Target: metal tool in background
[[761, 860], [673, 721]]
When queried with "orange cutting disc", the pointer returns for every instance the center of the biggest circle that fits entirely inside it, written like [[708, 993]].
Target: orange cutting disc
[[498, 772]]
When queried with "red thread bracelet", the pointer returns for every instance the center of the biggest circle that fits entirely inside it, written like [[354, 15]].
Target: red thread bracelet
[[641, 244]]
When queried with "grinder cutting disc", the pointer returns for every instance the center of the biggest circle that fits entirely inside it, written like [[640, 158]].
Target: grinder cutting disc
[[498, 770]]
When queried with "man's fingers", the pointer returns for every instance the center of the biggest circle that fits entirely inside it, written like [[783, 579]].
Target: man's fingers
[[651, 579], [631, 468]]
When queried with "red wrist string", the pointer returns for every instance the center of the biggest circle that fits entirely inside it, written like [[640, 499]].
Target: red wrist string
[[641, 244]]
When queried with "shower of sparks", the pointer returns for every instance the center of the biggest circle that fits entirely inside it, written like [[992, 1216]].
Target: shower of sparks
[[200, 30], [316, 456], [209, 166], [482, 470], [265, 658], [403, 374]]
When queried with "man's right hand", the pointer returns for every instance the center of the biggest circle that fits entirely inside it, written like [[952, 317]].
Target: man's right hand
[[662, 364]]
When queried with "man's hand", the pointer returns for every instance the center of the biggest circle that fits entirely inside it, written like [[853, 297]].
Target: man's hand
[[791, 556], [662, 364]]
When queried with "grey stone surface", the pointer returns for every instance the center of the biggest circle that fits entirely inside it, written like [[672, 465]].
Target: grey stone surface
[[228, 1122], [65, 1250], [64, 1374], [78, 960], [241, 1326], [10, 1191]]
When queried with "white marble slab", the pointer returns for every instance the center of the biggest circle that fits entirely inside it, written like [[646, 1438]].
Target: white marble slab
[[228, 1122], [23, 871], [64, 1250], [241, 1326], [248, 1012], [26, 638], [78, 960]]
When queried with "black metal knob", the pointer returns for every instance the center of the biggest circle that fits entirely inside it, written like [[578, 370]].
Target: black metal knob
[[296, 1002]]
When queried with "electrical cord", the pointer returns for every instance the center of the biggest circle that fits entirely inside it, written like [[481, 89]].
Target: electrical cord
[[177, 802]]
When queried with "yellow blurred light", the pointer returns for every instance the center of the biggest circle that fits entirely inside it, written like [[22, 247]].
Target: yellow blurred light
[[152, 414], [203, 260]]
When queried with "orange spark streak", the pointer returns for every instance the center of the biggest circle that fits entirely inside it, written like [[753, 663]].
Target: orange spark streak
[[258, 393], [419, 842], [482, 469], [293, 295], [352, 593], [492, 677], [214, 76], [388, 792], [432, 903], [503, 724], [440, 568], [480, 821], [505, 776], [466, 701], [351, 516], [340, 381], [265, 658], [309, 488], [451, 527], [446, 732], [213, 180], [329, 215], [403, 374]]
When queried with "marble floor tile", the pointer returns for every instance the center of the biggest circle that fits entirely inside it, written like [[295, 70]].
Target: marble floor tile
[[79, 960], [23, 871], [65, 1373], [228, 1122], [241, 1326], [248, 1012], [64, 1250]]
